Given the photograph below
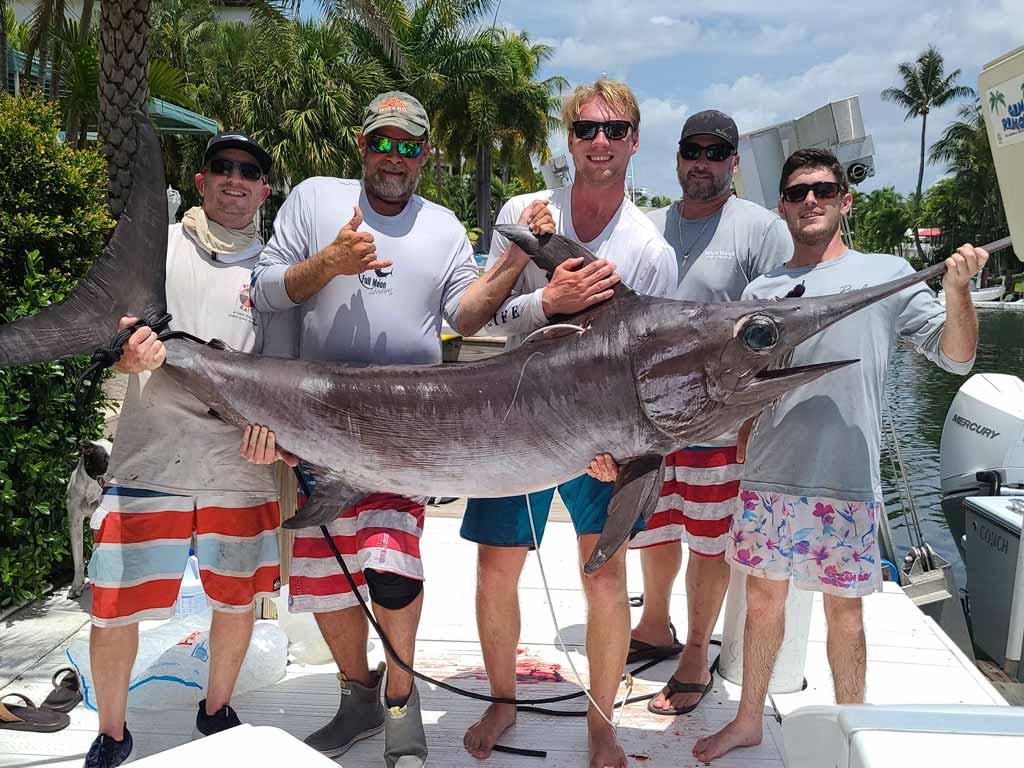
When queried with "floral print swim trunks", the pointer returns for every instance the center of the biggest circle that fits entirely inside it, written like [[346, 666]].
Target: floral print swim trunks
[[822, 544]]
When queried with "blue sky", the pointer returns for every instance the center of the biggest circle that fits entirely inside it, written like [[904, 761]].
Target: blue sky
[[765, 61]]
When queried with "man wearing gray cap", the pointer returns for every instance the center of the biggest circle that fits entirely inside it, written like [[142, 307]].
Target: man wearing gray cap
[[721, 244], [372, 268]]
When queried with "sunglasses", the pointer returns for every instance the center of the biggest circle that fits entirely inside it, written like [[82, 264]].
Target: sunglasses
[[614, 130], [823, 190], [382, 145], [715, 153], [224, 167]]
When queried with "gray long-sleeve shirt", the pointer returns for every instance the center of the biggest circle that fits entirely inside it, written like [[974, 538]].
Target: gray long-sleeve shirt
[[823, 438], [387, 316]]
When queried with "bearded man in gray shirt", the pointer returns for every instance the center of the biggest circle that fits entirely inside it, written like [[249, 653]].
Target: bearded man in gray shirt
[[721, 243], [373, 289], [811, 490]]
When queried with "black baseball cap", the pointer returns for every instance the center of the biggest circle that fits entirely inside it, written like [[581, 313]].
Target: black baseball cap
[[711, 122], [236, 140]]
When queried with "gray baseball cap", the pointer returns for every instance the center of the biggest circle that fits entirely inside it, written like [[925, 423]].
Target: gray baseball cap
[[713, 123], [398, 109]]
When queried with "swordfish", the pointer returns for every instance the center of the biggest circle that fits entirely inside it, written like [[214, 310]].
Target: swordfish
[[635, 376]]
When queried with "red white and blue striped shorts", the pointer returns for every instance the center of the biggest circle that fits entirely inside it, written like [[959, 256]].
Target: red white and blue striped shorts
[[698, 499], [382, 532], [141, 548]]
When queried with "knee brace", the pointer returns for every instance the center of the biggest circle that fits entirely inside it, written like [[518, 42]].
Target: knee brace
[[391, 591]]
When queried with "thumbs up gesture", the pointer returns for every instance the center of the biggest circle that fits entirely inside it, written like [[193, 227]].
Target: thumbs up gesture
[[352, 251]]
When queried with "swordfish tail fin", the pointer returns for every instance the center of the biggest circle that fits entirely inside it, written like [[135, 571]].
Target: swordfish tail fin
[[127, 278]]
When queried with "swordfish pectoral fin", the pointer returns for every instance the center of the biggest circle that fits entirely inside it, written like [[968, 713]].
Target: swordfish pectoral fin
[[329, 495], [636, 493]]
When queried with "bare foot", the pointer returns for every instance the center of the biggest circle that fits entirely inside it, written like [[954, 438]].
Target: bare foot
[[485, 732], [692, 668], [735, 734], [605, 751]]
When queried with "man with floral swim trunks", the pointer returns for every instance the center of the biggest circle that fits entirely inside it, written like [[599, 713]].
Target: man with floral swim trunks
[[811, 492]]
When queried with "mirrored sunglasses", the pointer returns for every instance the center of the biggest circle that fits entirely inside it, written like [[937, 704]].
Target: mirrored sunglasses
[[382, 145]]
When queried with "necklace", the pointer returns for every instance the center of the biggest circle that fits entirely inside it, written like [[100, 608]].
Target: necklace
[[679, 228]]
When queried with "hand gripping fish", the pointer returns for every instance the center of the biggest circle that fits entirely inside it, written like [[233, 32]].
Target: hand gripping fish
[[646, 376]]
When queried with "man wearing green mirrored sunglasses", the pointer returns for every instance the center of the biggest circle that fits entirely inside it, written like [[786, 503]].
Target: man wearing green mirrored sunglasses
[[372, 269]]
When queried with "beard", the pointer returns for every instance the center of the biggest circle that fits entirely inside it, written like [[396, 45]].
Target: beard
[[391, 187], [703, 189], [816, 236]]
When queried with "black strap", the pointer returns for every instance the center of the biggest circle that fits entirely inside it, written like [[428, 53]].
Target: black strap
[[522, 705], [107, 356]]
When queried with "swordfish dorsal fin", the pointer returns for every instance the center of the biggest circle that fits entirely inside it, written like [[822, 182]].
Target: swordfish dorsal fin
[[127, 278]]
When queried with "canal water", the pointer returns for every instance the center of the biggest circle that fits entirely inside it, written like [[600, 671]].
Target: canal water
[[919, 394]]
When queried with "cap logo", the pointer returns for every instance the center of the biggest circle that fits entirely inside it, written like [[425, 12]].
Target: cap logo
[[392, 104]]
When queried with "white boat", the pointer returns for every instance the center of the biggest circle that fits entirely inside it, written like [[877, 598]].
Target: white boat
[[978, 295]]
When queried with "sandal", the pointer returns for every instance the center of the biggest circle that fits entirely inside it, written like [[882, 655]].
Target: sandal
[[641, 651], [66, 693], [28, 717], [674, 686]]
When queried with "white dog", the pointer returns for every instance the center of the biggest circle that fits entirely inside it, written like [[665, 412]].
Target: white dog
[[84, 491]]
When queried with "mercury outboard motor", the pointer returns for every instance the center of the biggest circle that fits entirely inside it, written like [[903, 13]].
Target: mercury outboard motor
[[982, 448]]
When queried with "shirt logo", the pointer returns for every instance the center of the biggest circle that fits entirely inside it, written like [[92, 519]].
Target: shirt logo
[[243, 298], [377, 282]]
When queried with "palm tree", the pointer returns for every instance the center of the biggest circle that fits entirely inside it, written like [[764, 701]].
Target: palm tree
[[510, 113], [964, 148], [302, 89], [925, 87], [3, 45], [123, 88]]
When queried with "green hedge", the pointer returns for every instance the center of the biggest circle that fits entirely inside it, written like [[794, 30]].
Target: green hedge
[[53, 223]]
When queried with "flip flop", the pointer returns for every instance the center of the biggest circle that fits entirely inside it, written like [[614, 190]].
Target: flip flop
[[674, 686], [641, 651], [66, 693], [28, 717]]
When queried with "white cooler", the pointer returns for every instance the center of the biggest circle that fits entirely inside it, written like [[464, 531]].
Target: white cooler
[[244, 745], [941, 736]]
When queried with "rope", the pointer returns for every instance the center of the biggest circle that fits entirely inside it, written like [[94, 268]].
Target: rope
[[522, 705], [107, 356]]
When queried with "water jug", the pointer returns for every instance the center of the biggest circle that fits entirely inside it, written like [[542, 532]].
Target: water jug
[[191, 597]]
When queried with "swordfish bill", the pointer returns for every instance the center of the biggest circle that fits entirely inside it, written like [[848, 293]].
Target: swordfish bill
[[644, 377]]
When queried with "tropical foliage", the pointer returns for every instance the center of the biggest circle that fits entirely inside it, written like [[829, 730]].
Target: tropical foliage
[[926, 86], [53, 224]]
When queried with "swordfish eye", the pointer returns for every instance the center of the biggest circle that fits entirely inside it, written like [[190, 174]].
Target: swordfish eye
[[760, 333]]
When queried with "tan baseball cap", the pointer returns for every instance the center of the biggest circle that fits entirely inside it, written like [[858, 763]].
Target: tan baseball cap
[[398, 109]]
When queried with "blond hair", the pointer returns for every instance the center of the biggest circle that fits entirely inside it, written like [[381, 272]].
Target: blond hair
[[615, 93]]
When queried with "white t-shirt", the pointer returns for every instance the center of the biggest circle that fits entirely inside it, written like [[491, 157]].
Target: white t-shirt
[[390, 316], [166, 439], [644, 261]]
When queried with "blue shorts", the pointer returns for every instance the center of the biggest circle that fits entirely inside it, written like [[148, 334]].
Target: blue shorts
[[503, 522]]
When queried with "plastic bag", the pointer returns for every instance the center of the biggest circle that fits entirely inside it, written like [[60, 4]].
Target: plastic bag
[[306, 644], [173, 664]]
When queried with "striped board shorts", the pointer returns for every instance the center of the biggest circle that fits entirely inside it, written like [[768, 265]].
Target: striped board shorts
[[382, 533], [698, 498], [141, 545]]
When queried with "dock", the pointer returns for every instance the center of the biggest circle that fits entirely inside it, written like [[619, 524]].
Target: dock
[[909, 661]]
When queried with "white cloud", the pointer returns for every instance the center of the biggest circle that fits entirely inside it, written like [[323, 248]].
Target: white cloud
[[768, 62]]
